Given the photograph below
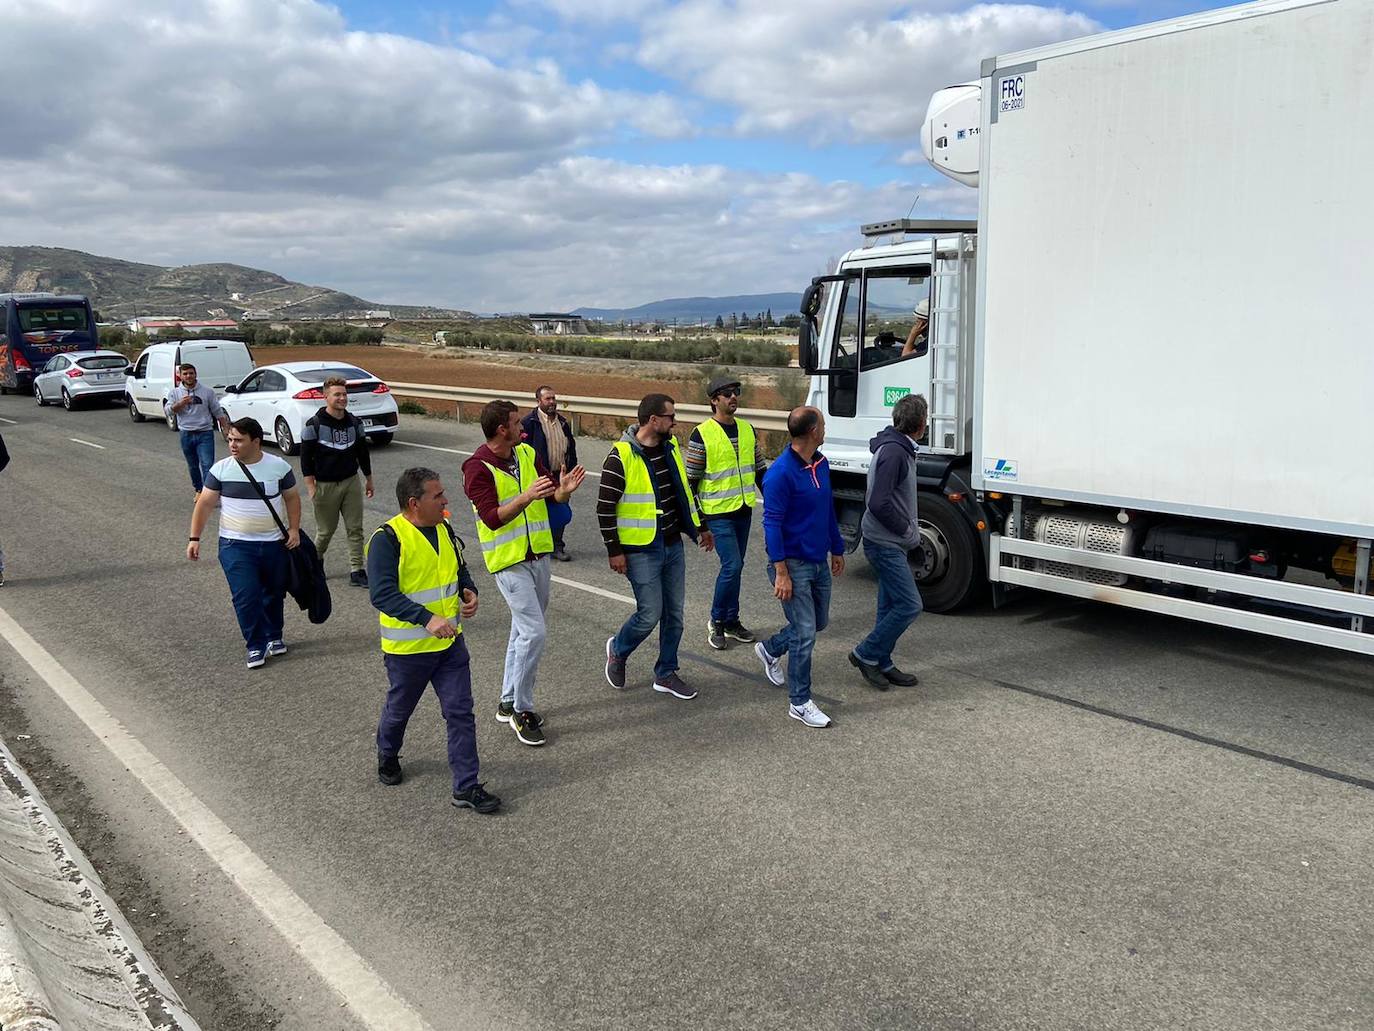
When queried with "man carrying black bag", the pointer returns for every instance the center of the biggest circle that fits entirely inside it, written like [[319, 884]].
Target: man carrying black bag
[[259, 526]]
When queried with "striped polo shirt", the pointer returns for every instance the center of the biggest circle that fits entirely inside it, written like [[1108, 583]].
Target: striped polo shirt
[[242, 515]]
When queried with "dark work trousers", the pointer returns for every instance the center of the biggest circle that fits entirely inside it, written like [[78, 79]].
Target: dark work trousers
[[451, 674]]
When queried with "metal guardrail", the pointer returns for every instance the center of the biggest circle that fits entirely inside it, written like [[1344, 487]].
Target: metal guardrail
[[616, 408]]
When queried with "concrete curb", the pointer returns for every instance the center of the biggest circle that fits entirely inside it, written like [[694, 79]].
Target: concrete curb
[[68, 958]]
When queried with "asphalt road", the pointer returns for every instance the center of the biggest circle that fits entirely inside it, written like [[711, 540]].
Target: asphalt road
[[1083, 817]]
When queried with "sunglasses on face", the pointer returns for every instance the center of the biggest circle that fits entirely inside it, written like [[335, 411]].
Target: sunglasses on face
[[670, 416], [728, 392]]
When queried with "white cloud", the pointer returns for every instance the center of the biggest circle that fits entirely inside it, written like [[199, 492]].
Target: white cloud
[[858, 70], [267, 133]]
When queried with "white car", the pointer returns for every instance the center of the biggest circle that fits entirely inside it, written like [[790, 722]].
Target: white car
[[282, 397]]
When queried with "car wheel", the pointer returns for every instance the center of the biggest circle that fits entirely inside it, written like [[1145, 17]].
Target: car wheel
[[285, 442], [380, 439], [38, 397], [67, 401], [170, 418], [134, 413]]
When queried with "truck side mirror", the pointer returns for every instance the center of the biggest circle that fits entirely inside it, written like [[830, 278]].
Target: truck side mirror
[[807, 351], [806, 346]]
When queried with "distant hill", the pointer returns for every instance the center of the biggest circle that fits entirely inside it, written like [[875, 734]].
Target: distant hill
[[122, 289], [694, 309]]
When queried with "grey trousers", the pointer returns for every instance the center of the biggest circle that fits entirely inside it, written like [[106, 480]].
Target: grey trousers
[[525, 587]]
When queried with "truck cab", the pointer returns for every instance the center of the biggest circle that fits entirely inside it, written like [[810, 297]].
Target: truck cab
[[896, 318]]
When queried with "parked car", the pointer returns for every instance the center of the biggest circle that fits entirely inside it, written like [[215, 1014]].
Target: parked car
[[282, 397], [219, 364], [81, 376]]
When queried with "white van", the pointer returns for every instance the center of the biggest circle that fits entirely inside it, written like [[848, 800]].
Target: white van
[[218, 363]]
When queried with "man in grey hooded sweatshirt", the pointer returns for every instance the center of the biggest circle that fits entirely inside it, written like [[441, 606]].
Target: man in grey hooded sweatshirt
[[890, 531]]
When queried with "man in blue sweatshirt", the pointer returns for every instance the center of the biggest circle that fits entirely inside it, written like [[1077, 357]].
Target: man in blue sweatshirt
[[890, 532], [801, 533]]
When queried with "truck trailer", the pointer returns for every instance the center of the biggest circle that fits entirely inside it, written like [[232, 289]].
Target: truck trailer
[[1148, 361]]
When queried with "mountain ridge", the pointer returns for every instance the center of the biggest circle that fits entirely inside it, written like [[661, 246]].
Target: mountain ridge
[[121, 289]]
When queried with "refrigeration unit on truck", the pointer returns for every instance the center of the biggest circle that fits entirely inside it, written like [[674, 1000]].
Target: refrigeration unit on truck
[[1149, 362]]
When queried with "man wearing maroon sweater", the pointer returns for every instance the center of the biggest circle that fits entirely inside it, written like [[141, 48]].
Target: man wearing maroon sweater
[[507, 485]]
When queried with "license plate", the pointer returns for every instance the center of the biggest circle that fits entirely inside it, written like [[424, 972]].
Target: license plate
[[104, 375], [367, 423]]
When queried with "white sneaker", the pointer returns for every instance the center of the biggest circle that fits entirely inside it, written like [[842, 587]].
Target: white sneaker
[[810, 714], [772, 668]]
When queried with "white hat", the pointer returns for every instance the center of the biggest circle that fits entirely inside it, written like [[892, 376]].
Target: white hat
[[922, 309]]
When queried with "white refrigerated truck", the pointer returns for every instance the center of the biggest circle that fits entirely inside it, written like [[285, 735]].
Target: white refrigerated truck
[[1150, 361]]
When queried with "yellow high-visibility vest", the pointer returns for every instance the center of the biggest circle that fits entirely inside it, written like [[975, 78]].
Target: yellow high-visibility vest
[[426, 577], [528, 531], [728, 484], [637, 512]]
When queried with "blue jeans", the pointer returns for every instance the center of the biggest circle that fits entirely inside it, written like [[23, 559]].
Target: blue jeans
[[658, 575], [732, 540], [256, 571], [450, 672], [899, 603], [808, 613], [199, 448]]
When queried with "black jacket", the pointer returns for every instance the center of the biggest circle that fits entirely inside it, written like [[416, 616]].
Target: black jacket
[[534, 437]]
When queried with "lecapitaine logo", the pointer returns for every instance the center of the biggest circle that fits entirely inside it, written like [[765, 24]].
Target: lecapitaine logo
[[999, 469]]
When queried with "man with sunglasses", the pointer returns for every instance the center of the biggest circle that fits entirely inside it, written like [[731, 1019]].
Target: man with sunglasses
[[724, 461], [643, 508]]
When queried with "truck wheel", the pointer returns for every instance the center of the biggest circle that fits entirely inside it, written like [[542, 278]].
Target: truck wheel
[[380, 439], [950, 573], [134, 413]]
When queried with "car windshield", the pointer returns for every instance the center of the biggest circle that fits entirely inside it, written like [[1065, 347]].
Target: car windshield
[[104, 361], [70, 316], [320, 375]]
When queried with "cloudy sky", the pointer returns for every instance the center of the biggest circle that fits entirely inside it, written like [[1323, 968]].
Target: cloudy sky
[[495, 155]]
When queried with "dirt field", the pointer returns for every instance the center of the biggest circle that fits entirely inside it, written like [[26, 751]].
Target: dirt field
[[520, 374]]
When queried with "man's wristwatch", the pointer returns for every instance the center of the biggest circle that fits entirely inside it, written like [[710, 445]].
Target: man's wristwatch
[[190, 540]]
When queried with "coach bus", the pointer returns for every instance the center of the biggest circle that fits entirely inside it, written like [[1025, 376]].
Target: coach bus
[[36, 326]]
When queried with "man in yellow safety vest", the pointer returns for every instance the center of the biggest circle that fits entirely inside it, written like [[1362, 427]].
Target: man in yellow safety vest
[[420, 587], [724, 461], [643, 508], [509, 487]]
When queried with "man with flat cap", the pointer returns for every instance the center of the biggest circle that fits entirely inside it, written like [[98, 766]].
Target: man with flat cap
[[725, 463]]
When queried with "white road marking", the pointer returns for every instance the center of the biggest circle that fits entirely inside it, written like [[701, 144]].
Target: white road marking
[[9, 422], [78, 440], [431, 447], [626, 598], [363, 992], [455, 451]]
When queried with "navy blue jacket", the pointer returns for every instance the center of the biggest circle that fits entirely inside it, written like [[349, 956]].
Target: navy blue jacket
[[534, 437], [799, 510]]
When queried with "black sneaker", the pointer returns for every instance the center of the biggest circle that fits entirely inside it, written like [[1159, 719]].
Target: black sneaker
[[389, 769], [357, 578], [477, 797], [526, 727], [737, 631], [561, 555], [615, 666], [504, 711], [715, 635], [871, 673], [673, 684], [896, 676]]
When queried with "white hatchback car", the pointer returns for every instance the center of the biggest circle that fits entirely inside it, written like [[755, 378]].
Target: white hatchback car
[[282, 397]]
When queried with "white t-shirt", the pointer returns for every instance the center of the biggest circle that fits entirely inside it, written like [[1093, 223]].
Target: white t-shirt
[[242, 514]]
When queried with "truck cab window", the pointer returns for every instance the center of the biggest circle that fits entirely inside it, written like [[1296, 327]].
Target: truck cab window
[[844, 383], [893, 322]]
